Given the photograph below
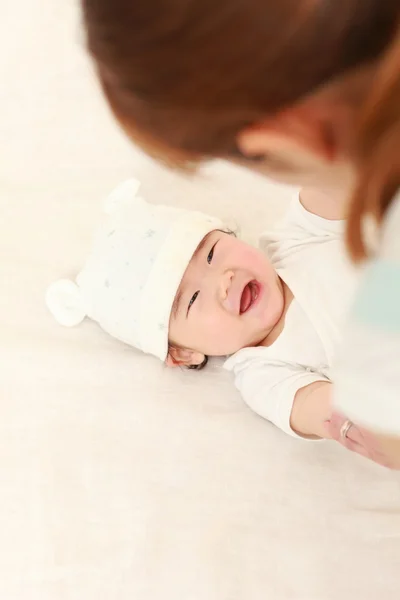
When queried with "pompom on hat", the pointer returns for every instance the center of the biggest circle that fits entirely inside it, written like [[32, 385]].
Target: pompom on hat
[[130, 279]]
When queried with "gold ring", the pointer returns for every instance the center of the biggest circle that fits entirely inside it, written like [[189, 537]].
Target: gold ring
[[345, 428]]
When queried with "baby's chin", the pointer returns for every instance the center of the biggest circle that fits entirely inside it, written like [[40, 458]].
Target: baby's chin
[[249, 340], [220, 353], [256, 340]]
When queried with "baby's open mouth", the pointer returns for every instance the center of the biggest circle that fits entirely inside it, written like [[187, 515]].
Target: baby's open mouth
[[249, 296]]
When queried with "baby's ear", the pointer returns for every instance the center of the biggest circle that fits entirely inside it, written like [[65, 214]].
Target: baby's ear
[[181, 357]]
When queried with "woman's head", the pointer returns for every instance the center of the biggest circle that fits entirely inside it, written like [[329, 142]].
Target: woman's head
[[241, 78]]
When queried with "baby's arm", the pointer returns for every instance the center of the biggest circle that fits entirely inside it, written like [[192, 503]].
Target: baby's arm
[[295, 399], [311, 408]]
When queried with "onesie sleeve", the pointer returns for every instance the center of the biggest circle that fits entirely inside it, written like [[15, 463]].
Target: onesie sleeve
[[298, 228], [367, 373], [269, 387]]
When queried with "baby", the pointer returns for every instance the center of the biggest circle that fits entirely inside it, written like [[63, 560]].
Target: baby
[[180, 286]]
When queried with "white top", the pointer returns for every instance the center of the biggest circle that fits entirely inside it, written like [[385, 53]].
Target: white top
[[367, 375], [309, 255]]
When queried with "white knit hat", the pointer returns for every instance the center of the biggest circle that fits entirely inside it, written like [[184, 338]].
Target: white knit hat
[[133, 272]]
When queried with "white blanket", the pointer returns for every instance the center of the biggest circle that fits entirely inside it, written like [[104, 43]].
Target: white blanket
[[120, 479]]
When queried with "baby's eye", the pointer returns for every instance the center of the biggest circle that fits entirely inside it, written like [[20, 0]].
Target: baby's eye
[[211, 254], [192, 300]]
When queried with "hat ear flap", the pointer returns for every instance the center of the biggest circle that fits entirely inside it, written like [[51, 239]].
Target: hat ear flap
[[64, 301], [124, 194]]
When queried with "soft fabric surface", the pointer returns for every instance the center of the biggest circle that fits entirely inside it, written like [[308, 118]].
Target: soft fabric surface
[[119, 479]]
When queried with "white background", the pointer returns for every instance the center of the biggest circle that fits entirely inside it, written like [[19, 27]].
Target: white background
[[119, 479]]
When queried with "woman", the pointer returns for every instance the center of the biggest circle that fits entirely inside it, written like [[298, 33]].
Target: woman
[[306, 91]]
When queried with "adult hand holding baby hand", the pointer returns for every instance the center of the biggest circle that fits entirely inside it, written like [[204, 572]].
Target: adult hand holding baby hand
[[358, 439]]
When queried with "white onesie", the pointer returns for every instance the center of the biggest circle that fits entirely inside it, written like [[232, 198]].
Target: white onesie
[[309, 255]]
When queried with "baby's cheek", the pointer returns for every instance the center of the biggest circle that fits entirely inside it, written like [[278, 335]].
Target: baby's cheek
[[215, 325], [251, 254], [218, 333]]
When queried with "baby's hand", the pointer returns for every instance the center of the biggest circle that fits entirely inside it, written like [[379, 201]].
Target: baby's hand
[[357, 439]]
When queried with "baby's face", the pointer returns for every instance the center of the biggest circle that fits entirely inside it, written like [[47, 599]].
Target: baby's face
[[230, 297]]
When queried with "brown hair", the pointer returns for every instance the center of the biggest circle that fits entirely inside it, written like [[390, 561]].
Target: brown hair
[[377, 152], [184, 77]]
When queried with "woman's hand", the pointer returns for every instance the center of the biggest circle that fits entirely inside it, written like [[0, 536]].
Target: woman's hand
[[359, 440]]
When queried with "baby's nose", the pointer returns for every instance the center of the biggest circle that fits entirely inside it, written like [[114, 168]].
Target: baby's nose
[[226, 282]]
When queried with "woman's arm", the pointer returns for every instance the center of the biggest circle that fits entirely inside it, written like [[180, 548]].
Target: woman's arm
[[328, 204], [367, 372], [311, 409]]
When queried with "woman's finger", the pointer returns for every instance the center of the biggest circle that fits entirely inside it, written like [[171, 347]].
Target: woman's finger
[[357, 440], [334, 425], [365, 451], [334, 428], [368, 440], [354, 434], [354, 447]]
